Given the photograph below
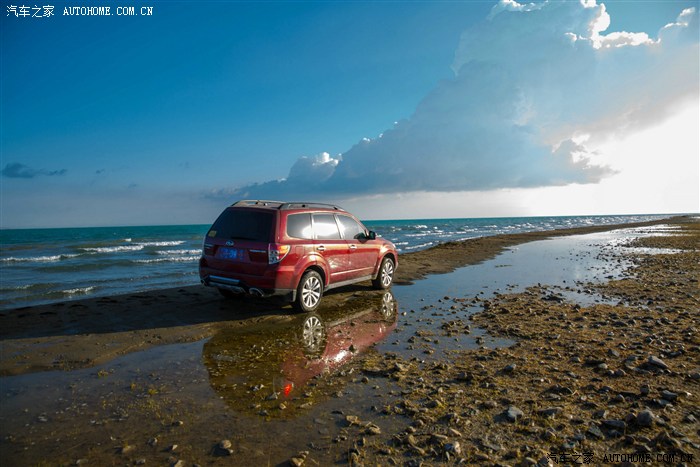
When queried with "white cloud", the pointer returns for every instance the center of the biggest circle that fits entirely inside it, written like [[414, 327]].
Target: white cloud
[[530, 81]]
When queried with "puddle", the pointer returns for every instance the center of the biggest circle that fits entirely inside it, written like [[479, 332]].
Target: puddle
[[435, 311], [265, 370]]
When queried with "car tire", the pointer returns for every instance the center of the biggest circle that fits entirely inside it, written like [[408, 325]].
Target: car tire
[[385, 276], [309, 292], [313, 336]]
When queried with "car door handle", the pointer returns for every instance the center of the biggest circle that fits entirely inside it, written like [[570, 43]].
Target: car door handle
[[321, 248], [353, 247]]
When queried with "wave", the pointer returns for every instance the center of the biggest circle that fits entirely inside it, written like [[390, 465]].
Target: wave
[[169, 259], [178, 252], [27, 287], [79, 291], [38, 259], [168, 243], [114, 249]]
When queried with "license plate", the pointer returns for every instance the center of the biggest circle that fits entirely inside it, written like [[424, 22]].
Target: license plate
[[230, 253]]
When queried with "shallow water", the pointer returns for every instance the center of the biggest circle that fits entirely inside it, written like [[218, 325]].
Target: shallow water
[[277, 388], [40, 266]]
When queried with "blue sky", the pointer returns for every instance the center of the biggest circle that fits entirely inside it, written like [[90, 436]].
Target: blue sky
[[168, 118]]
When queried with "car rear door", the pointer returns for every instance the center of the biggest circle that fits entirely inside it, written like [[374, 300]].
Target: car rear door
[[331, 246]]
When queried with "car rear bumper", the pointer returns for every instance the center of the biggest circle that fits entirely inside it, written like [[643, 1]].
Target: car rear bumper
[[253, 285]]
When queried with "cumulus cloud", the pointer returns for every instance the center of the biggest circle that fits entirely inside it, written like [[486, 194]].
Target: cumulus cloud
[[531, 81], [17, 170]]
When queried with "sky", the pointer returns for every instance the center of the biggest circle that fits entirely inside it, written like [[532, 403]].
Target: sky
[[390, 109]]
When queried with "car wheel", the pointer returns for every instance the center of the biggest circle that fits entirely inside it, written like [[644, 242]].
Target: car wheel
[[309, 292], [388, 307], [230, 294], [386, 274], [313, 335]]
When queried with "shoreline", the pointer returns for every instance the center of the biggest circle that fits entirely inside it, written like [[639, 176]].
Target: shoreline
[[140, 321], [579, 377]]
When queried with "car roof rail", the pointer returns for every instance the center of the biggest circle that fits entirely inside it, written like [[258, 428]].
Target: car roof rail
[[303, 204], [258, 202]]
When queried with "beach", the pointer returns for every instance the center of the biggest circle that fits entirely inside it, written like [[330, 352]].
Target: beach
[[512, 349]]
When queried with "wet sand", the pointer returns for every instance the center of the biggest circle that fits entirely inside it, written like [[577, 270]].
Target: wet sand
[[165, 366]]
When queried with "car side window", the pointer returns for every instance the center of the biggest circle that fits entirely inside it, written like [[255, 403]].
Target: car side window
[[350, 228], [325, 227], [299, 226]]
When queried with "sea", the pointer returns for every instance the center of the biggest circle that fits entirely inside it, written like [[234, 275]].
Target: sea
[[39, 266]]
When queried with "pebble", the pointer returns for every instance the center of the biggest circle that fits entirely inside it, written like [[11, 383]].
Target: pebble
[[223, 448], [657, 362], [299, 459], [550, 411], [372, 429], [616, 424], [595, 431], [352, 420], [126, 449], [453, 448], [513, 413], [645, 418], [669, 396], [509, 368]]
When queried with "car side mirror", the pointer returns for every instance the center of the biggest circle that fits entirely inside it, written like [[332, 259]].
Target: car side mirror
[[371, 235]]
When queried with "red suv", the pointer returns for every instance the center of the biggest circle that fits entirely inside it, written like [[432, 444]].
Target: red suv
[[292, 250]]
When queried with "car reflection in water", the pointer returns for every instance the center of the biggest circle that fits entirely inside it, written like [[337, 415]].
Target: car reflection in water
[[266, 369]]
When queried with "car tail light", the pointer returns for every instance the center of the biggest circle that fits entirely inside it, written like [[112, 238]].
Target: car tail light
[[276, 252]]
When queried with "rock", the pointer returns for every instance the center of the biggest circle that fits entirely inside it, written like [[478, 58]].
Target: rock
[[509, 368], [299, 459], [126, 449], [645, 418], [657, 362], [410, 440], [668, 395], [223, 448], [615, 424], [550, 411], [453, 448], [372, 429], [352, 420], [593, 430], [513, 413], [493, 446]]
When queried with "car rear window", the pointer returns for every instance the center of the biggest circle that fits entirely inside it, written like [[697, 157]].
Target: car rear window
[[243, 225], [299, 226]]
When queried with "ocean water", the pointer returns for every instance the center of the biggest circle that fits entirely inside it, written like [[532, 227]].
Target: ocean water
[[48, 265]]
